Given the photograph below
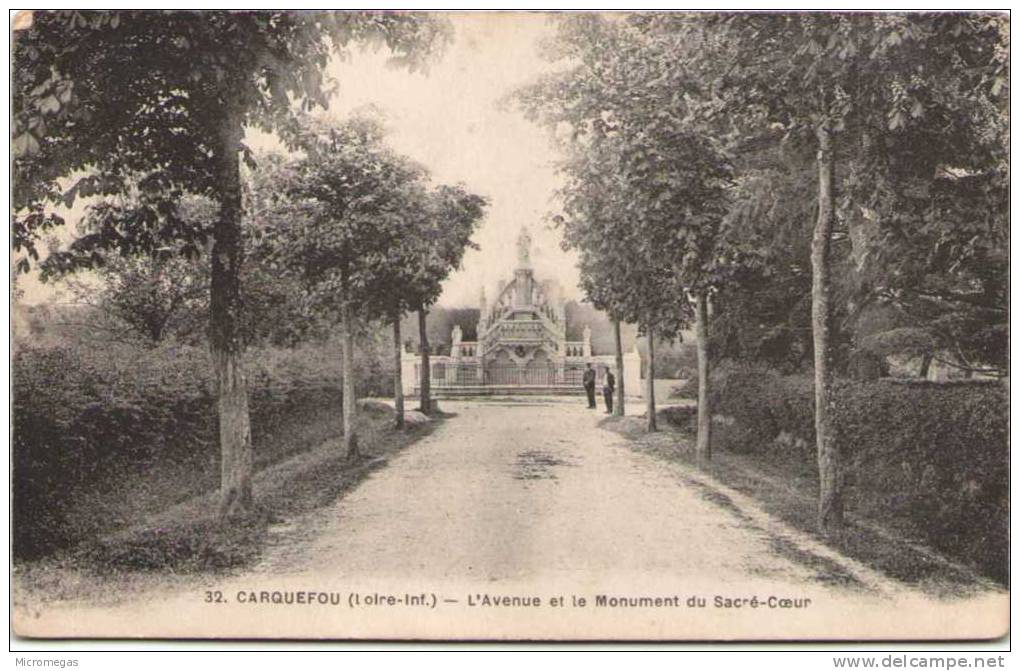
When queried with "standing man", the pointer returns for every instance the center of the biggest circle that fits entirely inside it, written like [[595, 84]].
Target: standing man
[[608, 387], [589, 385]]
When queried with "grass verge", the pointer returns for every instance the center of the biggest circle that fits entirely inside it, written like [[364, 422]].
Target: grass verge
[[789, 491], [188, 539]]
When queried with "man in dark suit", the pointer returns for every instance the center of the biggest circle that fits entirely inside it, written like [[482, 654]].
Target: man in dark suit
[[608, 387], [589, 385]]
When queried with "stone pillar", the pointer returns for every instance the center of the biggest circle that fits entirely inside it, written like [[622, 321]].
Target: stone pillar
[[455, 338], [483, 308], [586, 335], [632, 373], [408, 371]]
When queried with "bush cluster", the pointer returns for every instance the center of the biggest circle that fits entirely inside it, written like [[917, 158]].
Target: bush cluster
[[931, 457], [763, 408], [936, 455], [102, 436]]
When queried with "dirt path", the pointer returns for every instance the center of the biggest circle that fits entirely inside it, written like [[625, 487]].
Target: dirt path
[[534, 500], [529, 492]]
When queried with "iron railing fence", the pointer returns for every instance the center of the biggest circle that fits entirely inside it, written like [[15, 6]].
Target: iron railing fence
[[474, 374]]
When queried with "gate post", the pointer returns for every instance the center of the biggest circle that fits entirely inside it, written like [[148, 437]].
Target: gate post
[[632, 373], [409, 375]]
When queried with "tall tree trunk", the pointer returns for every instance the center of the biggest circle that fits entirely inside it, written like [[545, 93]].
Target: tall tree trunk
[[650, 384], [350, 442], [618, 409], [925, 366], [830, 498], [425, 390], [226, 342], [704, 444], [398, 381]]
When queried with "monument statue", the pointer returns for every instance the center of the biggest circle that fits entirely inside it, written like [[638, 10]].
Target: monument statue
[[524, 248]]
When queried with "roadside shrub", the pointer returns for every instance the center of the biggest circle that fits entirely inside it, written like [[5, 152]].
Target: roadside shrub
[[930, 458], [688, 389], [866, 366], [682, 417], [80, 415], [936, 455], [759, 405], [675, 360], [103, 436]]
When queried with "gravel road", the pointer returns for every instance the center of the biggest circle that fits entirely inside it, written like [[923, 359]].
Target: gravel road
[[532, 500]]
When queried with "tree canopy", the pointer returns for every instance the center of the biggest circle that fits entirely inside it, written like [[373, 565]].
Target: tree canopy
[[104, 100]]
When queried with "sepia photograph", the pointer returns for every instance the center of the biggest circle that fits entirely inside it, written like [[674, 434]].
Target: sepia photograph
[[510, 326]]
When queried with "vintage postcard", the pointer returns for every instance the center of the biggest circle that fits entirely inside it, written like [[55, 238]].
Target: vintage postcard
[[523, 326]]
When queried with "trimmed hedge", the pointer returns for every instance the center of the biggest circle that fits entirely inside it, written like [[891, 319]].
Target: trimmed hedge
[[930, 457], [102, 437], [936, 455], [758, 405]]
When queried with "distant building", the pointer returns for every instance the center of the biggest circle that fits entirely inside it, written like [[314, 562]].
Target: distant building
[[521, 344]]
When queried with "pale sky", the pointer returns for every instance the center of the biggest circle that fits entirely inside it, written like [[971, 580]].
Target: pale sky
[[449, 119]]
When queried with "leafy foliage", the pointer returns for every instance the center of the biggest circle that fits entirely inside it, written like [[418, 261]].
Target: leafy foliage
[[331, 217], [159, 101], [915, 103], [762, 403], [434, 246], [104, 436], [931, 456], [166, 296], [935, 454], [352, 218], [150, 299], [111, 99], [646, 185]]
